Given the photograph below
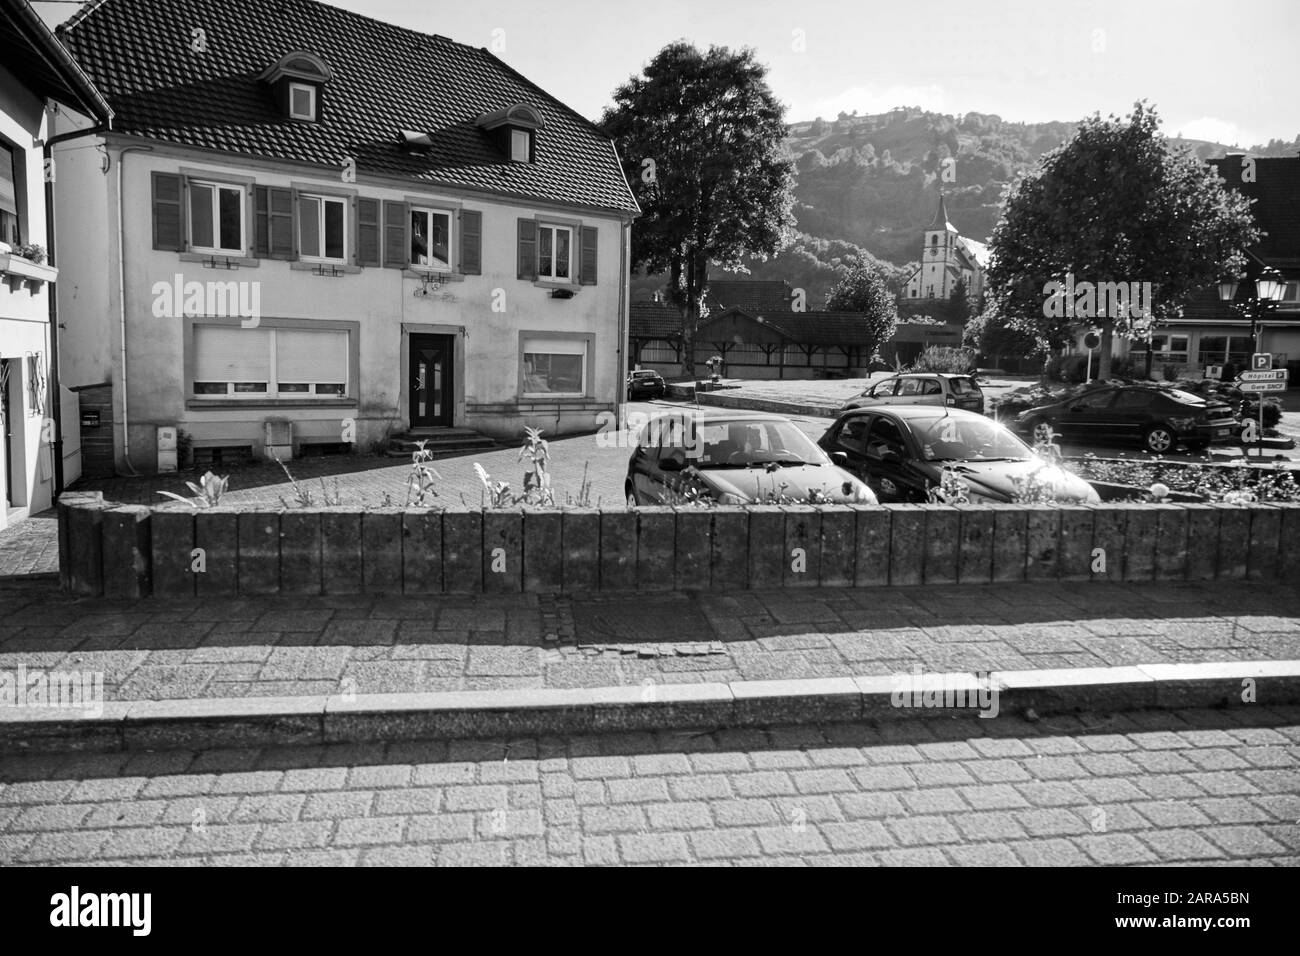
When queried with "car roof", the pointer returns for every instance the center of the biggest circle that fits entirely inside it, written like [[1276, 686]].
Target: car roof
[[934, 374], [909, 412], [722, 414]]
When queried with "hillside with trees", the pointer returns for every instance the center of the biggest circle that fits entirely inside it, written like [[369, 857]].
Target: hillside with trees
[[865, 187]]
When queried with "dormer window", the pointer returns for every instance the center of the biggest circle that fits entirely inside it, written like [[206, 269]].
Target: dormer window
[[521, 145], [297, 82], [302, 102], [513, 131]]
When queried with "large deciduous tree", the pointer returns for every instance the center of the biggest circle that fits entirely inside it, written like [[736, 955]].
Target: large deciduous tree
[[865, 290], [700, 135], [1116, 203]]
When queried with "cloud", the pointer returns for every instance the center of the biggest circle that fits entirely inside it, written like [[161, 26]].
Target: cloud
[[1215, 131]]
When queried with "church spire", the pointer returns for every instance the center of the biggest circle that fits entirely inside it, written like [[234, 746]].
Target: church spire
[[941, 215]]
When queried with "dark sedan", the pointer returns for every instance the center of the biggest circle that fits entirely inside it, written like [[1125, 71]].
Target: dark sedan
[[1159, 418], [645, 383], [734, 458], [902, 453]]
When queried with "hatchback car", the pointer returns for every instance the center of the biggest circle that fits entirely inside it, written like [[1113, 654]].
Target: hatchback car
[[903, 452], [734, 458], [1159, 418], [645, 383], [922, 388]]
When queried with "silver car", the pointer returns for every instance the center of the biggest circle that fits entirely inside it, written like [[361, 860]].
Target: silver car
[[922, 388]]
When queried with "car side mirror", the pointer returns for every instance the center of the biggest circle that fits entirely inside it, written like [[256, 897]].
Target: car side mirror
[[891, 457], [675, 460], [840, 458]]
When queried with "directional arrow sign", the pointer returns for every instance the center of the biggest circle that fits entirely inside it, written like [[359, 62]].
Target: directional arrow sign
[[1272, 375], [1263, 386]]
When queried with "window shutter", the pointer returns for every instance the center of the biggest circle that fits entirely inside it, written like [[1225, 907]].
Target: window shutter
[[280, 240], [261, 222], [369, 233], [587, 258], [168, 212], [397, 245], [528, 248], [471, 243]]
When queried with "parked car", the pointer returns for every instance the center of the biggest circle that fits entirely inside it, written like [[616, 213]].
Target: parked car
[[901, 452], [1159, 418], [645, 383], [922, 388], [734, 458]]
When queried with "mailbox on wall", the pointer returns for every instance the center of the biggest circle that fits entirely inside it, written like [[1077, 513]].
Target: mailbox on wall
[[166, 449]]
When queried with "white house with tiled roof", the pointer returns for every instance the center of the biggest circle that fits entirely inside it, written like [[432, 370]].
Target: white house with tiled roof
[[312, 227], [947, 258], [37, 77]]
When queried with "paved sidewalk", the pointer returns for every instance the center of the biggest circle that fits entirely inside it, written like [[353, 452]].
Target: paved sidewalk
[[30, 546], [154, 649], [1181, 787]]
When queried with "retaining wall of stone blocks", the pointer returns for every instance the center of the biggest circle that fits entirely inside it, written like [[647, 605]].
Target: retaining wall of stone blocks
[[122, 551]]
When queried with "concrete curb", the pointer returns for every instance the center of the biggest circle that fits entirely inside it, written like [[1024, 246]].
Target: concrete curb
[[268, 721]]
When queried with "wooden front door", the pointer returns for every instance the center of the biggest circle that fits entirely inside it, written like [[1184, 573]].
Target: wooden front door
[[429, 379]]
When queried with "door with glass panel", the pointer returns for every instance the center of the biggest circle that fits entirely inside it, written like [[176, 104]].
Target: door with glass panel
[[429, 380]]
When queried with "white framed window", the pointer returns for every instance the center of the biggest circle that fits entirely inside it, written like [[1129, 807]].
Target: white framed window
[[237, 363], [521, 146], [432, 238], [554, 253], [322, 228], [555, 368], [302, 101], [217, 217]]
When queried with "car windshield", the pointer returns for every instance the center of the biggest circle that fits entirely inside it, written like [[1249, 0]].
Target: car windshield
[[949, 438], [743, 443]]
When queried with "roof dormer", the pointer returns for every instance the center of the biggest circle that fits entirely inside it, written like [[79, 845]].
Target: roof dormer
[[513, 130], [298, 81]]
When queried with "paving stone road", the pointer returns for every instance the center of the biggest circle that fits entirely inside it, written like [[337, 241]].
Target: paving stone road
[[154, 649], [1188, 787]]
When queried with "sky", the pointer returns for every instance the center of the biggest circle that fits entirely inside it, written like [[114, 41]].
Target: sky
[[1217, 71]]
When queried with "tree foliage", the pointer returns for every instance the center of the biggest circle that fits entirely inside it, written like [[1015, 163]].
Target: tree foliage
[[864, 289], [718, 184], [1116, 203]]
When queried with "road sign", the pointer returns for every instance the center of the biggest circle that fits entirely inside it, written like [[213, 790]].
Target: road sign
[[1263, 386], [1261, 361], [1272, 375]]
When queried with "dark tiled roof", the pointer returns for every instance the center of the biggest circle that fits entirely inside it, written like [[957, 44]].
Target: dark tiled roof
[[385, 78], [755, 296], [35, 56], [654, 320], [1276, 191], [820, 328]]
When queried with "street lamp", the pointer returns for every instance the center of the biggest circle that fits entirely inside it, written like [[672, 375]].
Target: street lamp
[[1266, 294]]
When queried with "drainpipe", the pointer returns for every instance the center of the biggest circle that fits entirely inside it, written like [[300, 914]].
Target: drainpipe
[[56, 400], [620, 373], [121, 304]]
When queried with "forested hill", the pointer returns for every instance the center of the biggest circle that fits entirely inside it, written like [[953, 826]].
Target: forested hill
[[866, 184]]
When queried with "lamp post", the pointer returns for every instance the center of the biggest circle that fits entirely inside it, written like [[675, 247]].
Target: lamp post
[[1266, 293]]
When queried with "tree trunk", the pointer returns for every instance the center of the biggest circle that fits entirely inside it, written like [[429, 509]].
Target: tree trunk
[[1107, 343]]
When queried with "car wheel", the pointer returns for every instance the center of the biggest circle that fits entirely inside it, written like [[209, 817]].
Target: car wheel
[[1040, 430], [631, 499], [1158, 439]]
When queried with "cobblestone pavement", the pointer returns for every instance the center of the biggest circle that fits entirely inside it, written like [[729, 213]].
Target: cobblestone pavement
[[283, 646], [1190, 787], [30, 546]]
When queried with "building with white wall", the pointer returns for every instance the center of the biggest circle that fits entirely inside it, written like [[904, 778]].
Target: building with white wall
[[37, 77], [309, 226]]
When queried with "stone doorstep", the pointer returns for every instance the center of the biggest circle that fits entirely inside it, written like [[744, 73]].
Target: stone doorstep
[[271, 721]]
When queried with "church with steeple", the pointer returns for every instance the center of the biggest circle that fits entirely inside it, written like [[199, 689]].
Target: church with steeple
[[947, 259]]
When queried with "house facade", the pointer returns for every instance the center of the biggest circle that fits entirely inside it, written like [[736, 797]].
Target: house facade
[[37, 76], [1209, 333], [324, 229]]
